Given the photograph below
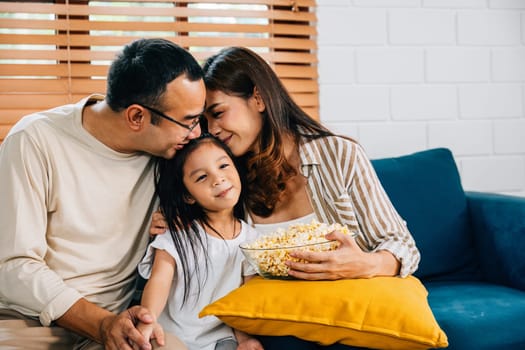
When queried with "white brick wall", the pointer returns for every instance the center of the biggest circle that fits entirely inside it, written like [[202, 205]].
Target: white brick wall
[[406, 75]]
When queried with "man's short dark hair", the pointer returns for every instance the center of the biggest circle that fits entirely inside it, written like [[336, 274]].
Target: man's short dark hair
[[144, 68]]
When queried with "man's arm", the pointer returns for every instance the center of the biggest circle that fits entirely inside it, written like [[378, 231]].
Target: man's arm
[[29, 286], [114, 331]]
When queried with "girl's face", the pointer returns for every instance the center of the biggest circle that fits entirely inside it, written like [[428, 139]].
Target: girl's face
[[211, 178], [236, 121]]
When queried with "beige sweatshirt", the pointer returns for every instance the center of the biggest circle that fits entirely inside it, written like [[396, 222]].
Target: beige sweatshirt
[[74, 216]]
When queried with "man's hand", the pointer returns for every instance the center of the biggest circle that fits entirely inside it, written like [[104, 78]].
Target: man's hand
[[119, 332]]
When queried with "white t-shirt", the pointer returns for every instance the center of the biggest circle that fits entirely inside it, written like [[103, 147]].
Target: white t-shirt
[[226, 267]]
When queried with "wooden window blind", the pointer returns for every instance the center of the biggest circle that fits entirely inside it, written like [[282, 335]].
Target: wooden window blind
[[57, 52]]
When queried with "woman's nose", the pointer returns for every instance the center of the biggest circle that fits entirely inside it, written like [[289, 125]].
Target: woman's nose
[[213, 127]]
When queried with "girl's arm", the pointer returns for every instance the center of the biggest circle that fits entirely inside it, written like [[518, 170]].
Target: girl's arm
[[158, 286], [156, 292]]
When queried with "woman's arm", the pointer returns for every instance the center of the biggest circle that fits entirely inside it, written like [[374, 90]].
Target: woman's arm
[[385, 247], [384, 230]]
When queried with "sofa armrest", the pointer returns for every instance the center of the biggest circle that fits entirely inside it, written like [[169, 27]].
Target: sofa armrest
[[498, 222]]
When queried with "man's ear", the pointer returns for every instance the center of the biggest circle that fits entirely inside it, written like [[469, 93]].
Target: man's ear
[[258, 100], [135, 117]]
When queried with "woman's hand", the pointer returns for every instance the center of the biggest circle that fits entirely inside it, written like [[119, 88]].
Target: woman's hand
[[158, 224], [348, 261]]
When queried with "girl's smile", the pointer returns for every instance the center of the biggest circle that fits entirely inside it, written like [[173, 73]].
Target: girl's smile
[[225, 192]]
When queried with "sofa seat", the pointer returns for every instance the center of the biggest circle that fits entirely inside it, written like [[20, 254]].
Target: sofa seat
[[484, 316]]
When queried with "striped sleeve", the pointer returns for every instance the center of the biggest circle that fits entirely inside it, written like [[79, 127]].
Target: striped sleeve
[[380, 223], [345, 188]]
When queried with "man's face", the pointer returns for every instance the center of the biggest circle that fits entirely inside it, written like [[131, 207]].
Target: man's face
[[183, 101]]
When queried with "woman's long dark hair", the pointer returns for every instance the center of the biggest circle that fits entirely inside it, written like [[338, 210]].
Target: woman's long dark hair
[[237, 71], [182, 217]]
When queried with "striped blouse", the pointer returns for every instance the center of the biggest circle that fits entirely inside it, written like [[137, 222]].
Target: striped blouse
[[343, 187]]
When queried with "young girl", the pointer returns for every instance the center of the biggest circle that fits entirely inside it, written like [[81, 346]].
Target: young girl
[[199, 262]]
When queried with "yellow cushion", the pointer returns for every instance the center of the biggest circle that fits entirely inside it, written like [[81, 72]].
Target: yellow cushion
[[380, 313]]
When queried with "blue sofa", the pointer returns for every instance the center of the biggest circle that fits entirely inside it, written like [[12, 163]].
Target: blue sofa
[[472, 247]]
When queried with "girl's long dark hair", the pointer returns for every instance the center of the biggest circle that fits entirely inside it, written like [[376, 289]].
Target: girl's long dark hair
[[182, 217], [237, 71]]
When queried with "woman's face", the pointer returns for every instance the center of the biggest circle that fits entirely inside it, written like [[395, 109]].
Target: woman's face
[[236, 121]]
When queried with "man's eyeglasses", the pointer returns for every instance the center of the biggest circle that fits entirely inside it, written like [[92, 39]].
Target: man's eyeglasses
[[190, 127]]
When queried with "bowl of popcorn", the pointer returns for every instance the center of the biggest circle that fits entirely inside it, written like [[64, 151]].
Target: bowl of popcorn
[[268, 253]]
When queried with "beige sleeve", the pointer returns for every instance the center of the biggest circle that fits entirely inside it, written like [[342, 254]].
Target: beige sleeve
[[381, 224], [28, 285]]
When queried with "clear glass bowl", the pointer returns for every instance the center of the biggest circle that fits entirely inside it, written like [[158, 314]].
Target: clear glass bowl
[[270, 262]]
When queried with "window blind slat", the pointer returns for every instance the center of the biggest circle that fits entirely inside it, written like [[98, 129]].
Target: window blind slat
[[278, 43], [87, 86], [89, 40], [82, 10], [38, 101], [58, 55], [86, 25], [302, 3], [56, 86], [11, 116]]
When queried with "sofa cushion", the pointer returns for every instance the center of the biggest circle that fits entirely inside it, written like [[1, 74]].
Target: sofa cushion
[[426, 190], [479, 316]]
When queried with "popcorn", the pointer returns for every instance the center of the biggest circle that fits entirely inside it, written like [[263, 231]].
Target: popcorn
[[268, 253]]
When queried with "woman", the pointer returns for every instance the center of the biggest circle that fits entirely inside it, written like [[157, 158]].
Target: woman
[[297, 170]]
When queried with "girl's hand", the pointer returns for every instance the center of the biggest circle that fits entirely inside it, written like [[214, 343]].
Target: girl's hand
[[120, 331], [347, 261], [150, 331], [158, 224]]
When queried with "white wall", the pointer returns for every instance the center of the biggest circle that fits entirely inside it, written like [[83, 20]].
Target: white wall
[[407, 75]]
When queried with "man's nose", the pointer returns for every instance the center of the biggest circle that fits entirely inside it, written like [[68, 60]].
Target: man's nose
[[193, 134]]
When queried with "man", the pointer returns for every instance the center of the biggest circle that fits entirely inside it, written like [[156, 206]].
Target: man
[[76, 196]]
